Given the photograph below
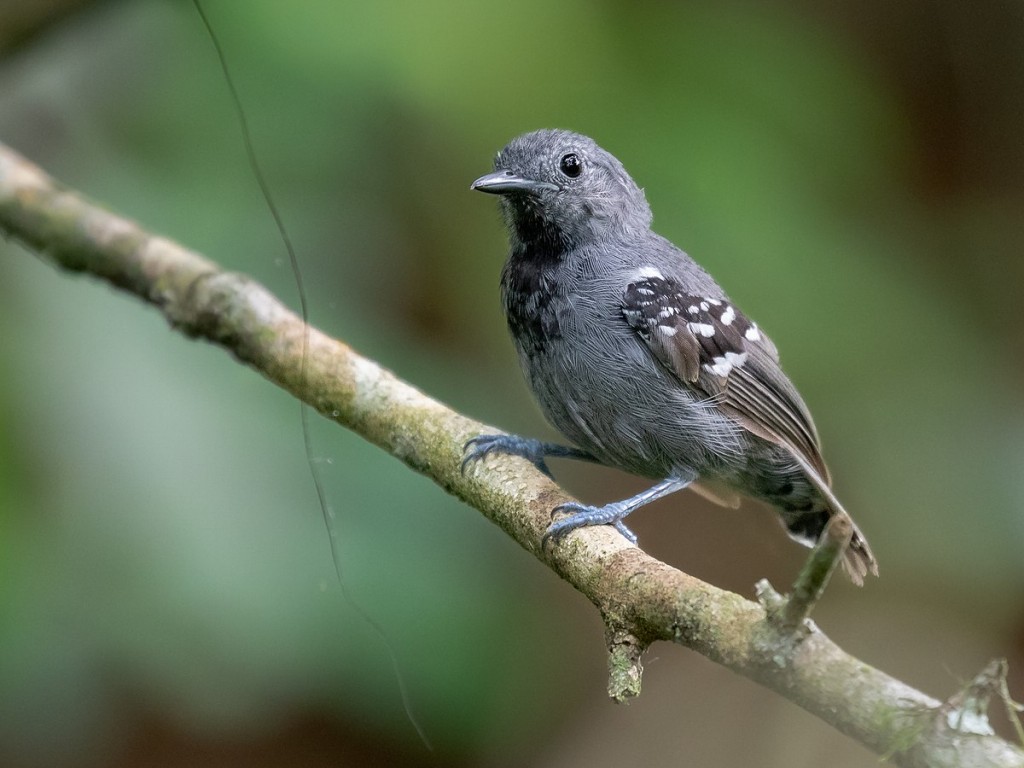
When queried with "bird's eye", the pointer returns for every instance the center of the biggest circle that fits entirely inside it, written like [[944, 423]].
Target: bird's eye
[[571, 165]]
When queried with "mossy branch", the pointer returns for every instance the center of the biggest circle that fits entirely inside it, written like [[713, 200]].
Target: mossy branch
[[641, 599]]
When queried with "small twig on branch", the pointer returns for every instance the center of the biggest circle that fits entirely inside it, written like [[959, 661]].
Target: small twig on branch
[[967, 710], [818, 569], [625, 664], [641, 599], [789, 614]]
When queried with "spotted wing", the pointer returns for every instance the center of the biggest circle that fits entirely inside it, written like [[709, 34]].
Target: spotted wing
[[715, 349]]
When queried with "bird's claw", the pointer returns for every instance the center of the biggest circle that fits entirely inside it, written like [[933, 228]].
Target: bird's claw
[[583, 515], [480, 446]]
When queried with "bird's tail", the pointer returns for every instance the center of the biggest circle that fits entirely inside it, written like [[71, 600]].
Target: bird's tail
[[859, 560], [807, 527]]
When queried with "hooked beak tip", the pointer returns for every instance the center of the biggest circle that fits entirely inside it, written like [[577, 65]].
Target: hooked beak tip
[[505, 182]]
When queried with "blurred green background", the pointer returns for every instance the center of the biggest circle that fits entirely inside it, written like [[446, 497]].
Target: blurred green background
[[852, 172]]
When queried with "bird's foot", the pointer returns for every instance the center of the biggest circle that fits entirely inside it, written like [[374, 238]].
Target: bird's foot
[[532, 450], [583, 515]]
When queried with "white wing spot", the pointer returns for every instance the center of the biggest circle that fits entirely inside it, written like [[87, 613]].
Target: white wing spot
[[692, 309], [728, 315], [705, 306], [752, 334], [704, 329], [723, 365], [651, 272], [668, 330], [667, 312], [714, 302]]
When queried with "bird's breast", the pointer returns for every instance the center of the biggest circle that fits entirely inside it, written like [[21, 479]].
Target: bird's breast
[[534, 294]]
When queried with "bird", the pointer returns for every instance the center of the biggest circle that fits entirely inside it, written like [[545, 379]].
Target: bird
[[637, 356]]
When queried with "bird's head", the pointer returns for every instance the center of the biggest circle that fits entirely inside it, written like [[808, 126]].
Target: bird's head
[[561, 189]]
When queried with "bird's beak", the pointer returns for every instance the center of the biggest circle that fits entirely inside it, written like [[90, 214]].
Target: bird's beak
[[504, 182]]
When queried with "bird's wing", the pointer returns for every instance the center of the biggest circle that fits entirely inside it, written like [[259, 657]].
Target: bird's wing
[[713, 348]]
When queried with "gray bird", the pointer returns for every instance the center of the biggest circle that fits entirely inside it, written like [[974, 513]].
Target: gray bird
[[636, 354]]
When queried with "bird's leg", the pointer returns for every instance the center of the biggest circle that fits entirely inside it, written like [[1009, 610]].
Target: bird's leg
[[610, 514], [534, 451]]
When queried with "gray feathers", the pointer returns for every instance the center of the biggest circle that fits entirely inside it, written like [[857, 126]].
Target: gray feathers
[[635, 353]]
